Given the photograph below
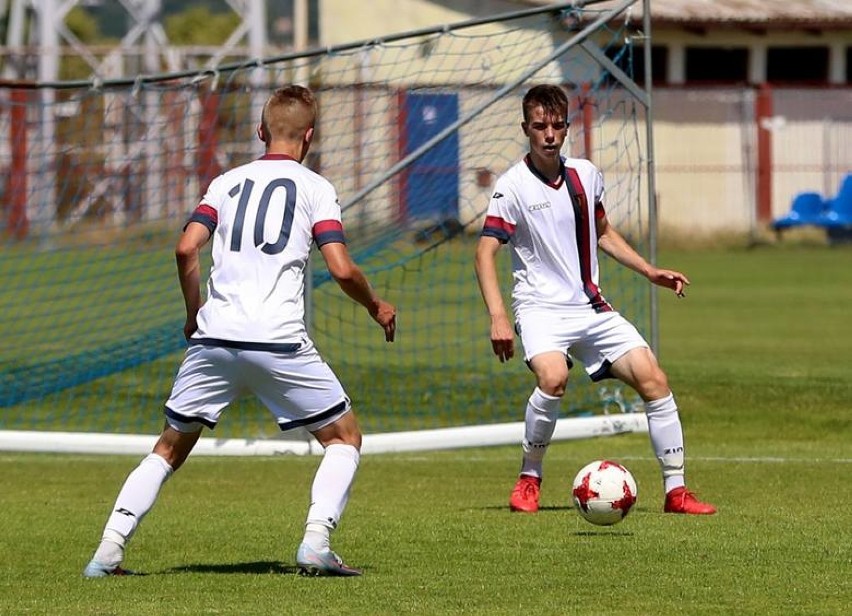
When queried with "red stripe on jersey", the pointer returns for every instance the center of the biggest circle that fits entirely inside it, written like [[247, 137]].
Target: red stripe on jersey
[[324, 226], [495, 222], [328, 231], [584, 239], [600, 212], [498, 228], [208, 212], [205, 215]]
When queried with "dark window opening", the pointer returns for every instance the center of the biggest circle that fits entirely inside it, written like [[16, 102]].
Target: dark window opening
[[631, 60], [849, 65], [797, 64], [716, 65]]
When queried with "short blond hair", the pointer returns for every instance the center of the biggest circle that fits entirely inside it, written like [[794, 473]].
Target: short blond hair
[[288, 114]]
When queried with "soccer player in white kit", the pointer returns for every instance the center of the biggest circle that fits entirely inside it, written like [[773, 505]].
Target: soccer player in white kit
[[250, 335], [550, 209]]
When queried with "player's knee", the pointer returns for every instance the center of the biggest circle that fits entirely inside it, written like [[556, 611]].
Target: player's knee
[[352, 436], [174, 447], [551, 372], [654, 385], [553, 380], [344, 431], [553, 389]]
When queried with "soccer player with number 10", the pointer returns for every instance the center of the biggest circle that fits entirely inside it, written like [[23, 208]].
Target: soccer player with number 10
[[250, 333]]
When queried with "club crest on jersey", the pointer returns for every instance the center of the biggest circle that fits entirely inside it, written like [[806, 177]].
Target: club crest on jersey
[[539, 206]]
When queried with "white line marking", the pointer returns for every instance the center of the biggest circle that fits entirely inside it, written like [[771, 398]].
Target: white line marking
[[722, 459]]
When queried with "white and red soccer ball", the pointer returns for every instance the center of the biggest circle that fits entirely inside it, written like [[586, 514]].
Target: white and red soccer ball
[[604, 492]]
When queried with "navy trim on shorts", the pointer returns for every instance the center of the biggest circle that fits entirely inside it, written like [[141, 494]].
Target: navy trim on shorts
[[298, 423], [568, 361], [603, 372], [184, 419], [272, 347]]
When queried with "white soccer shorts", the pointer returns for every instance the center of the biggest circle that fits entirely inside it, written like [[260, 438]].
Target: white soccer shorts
[[596, 339], [298, 388]]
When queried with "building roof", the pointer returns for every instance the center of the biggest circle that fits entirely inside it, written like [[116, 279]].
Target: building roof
[[806, 14]]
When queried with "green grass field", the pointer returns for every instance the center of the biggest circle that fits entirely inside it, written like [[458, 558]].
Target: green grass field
[[758, 356]]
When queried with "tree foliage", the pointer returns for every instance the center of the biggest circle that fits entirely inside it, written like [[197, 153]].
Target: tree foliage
[[83, 25], [197, 25]]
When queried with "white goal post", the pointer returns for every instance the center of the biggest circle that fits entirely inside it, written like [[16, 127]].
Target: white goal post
[[392, 442]]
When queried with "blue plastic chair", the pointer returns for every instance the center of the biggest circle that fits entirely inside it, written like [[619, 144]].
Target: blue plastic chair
[[838, 212], [807, 208]]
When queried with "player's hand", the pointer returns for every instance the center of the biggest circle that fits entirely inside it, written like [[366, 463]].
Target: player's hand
[[670, 279], [189, 327], [384, 314], [502, 339]]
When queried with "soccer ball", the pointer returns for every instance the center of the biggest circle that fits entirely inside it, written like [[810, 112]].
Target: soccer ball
[[604, 491]]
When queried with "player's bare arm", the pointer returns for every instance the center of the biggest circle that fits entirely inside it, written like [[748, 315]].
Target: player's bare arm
[[612, 243], [188, 257], [502, 333], [352, 281]]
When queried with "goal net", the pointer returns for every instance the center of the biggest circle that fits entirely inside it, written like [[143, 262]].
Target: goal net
[[100, 176]]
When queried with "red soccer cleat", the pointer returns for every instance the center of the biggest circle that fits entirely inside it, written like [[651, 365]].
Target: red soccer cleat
[[681, 500], [525, 495]]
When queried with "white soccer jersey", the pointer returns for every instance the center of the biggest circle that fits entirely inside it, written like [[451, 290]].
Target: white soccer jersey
[[552, 233], [263, 217]]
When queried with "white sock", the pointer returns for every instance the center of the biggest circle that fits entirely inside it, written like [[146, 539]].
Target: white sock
[[136, 498], [317, 536], [110, 552], [540, 422], [666, 434], [330, 492]]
